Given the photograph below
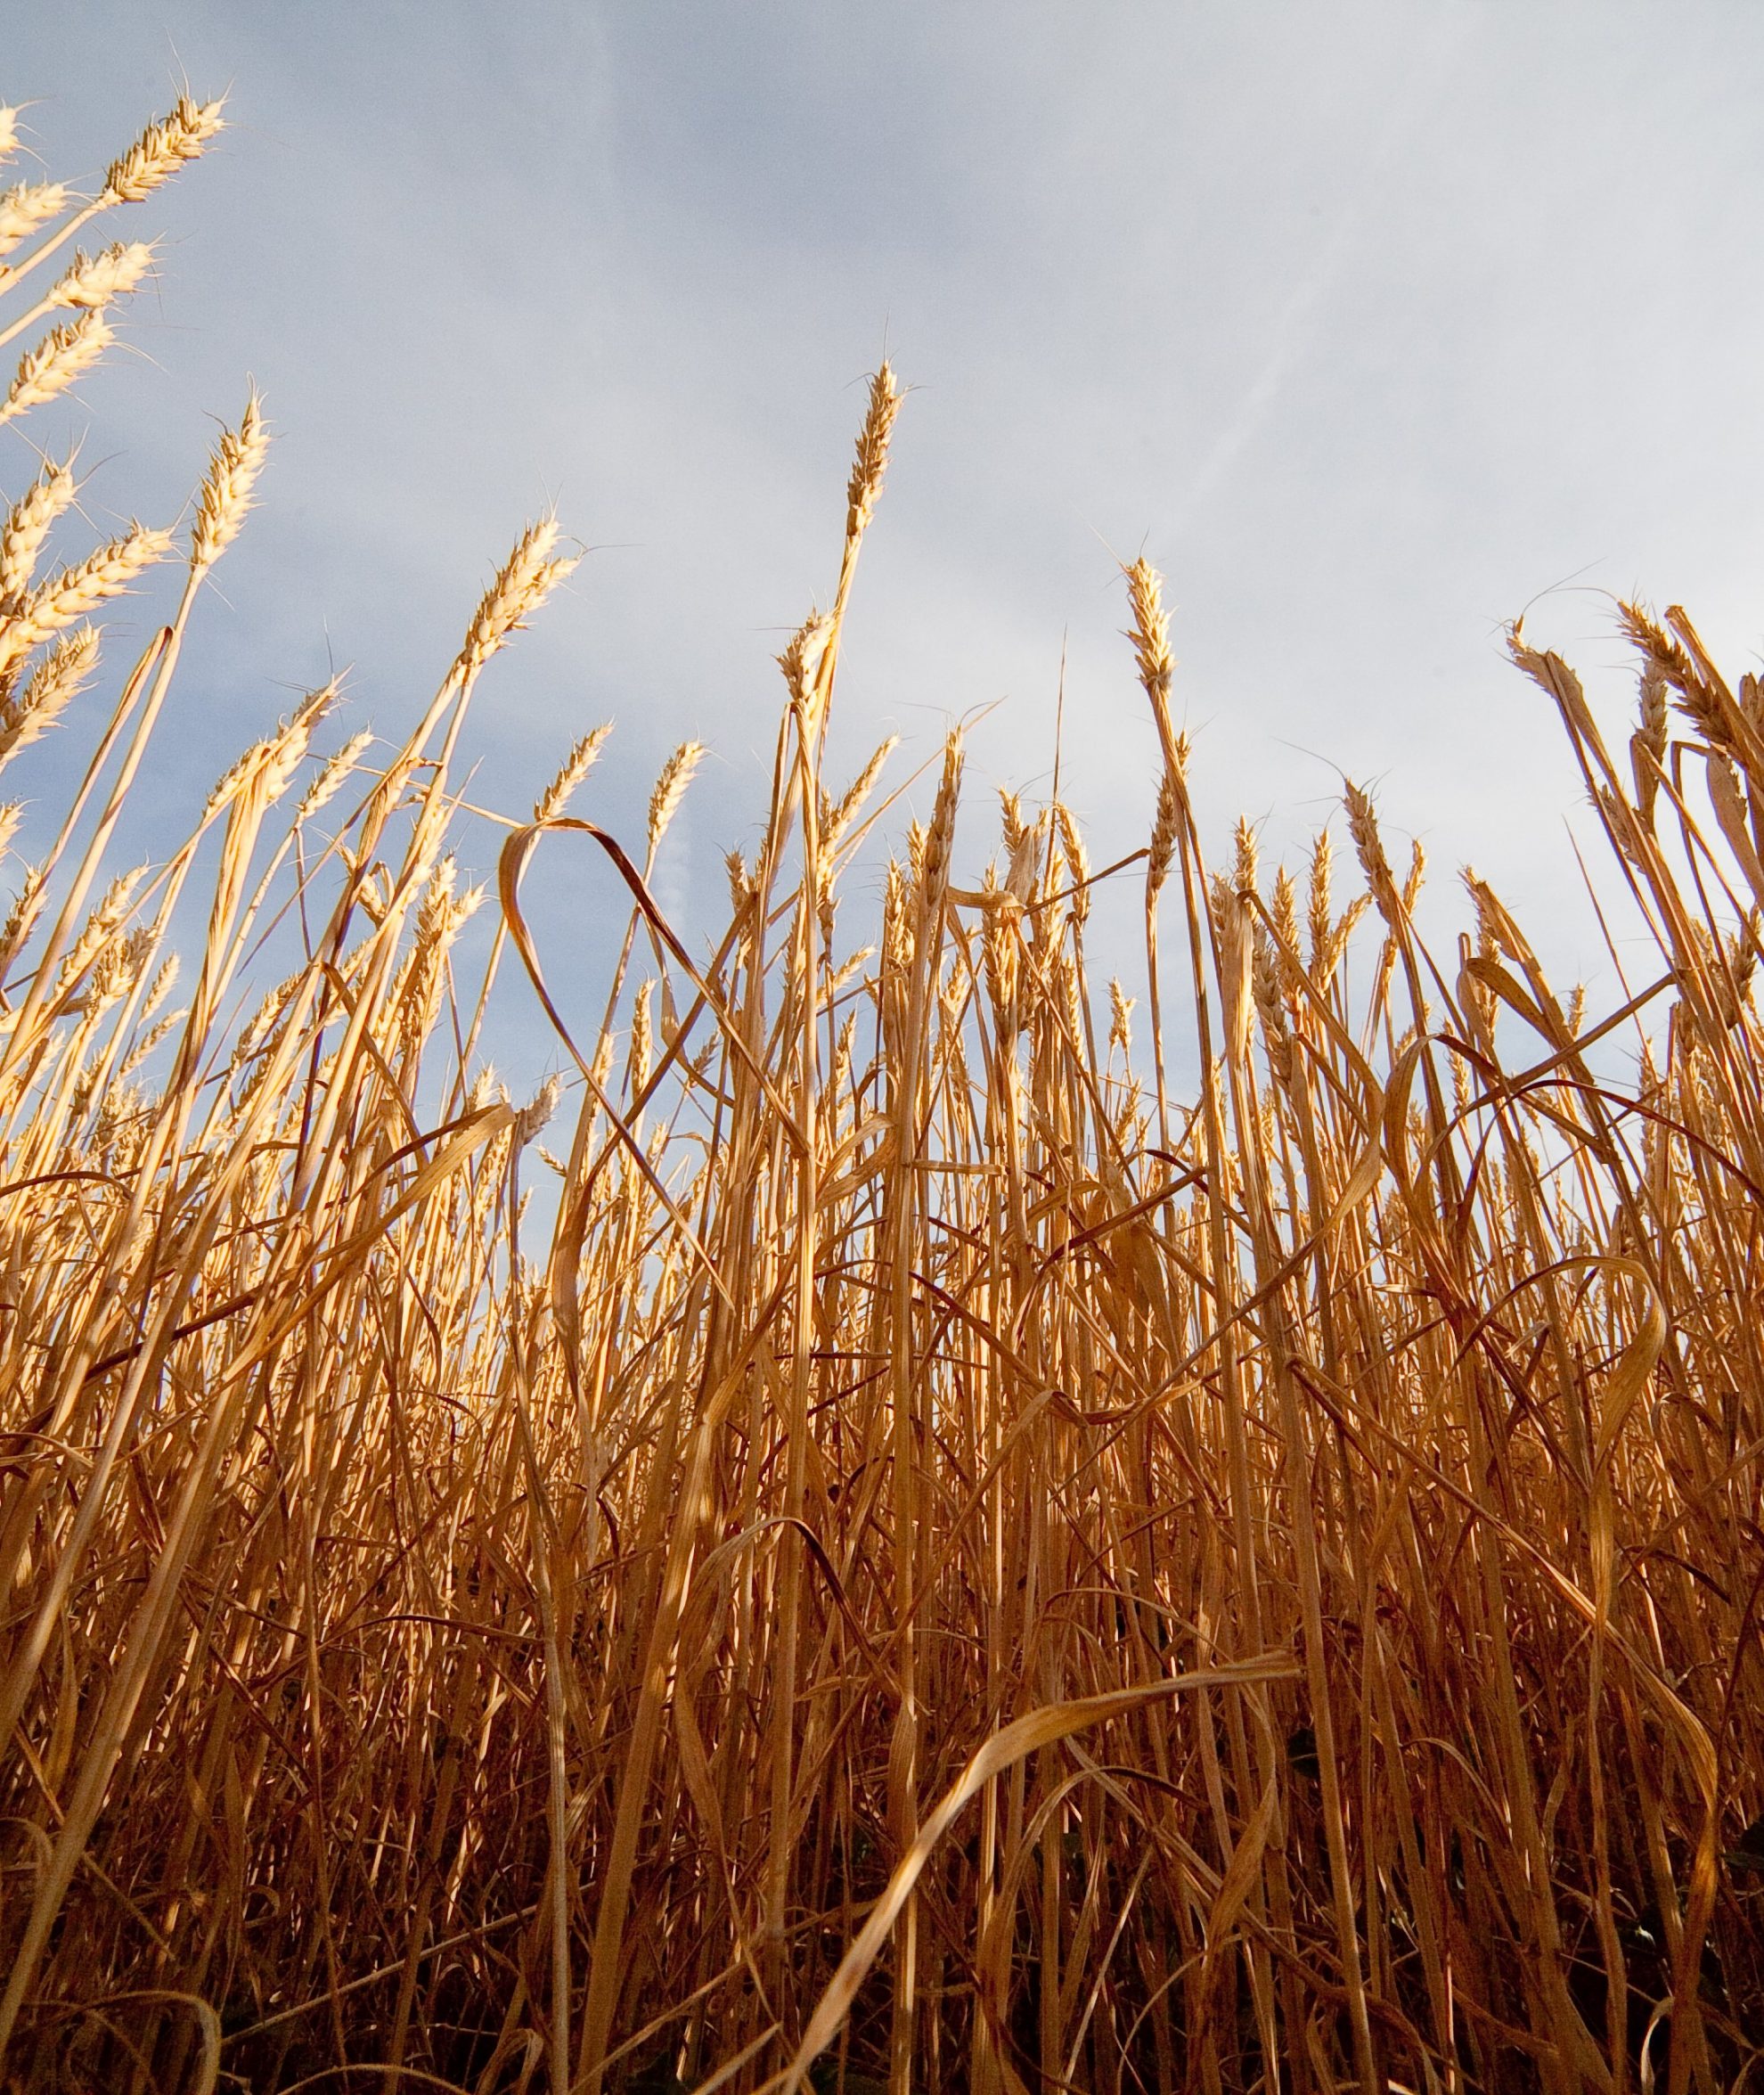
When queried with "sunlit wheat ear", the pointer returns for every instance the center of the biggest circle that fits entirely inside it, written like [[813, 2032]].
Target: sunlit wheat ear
[[1001, 957], [1120, 1012], [335, 775], [1162, 848], [1335, 945], [226, 492], [740, 883], [844, 811], [839, 1070], [119, 968], [102, 926], [263, 1021], [1247, 866], [853, 967], [670, 790], [61, 601], [896, 932], [1500, 934], [1070, 988], [525, 580], [25, 207], [159, 990], [1150, 635], [1231, 922], [22, 915], [1707, 705], [64, 354], [1266, 983], [1285, 914], [1363, 829], [1623, 825], [533, 1116], [287, 750], [600, 1069], [637, 1064], [91, 282], [441, 915], [1416, 875], [268, 767], [933, 879], [32, 514], [571, 773], [1077, 863], [1150, 630], [1648, 745], [1476, 999], [802, 663], [57, 679], [1319, 900], [160, 150], [154, 1037], [870, 466], [9, 131], [442, 911]]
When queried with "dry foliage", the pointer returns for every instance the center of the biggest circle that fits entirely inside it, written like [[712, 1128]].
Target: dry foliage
[[947, 1564]]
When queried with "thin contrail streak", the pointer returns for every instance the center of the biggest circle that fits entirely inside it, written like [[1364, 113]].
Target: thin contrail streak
[[1290, 334]]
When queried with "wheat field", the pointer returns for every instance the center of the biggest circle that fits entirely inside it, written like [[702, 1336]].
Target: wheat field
[[871, 1536]]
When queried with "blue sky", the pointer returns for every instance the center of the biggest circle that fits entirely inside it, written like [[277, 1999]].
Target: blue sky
[[1370, 323]]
